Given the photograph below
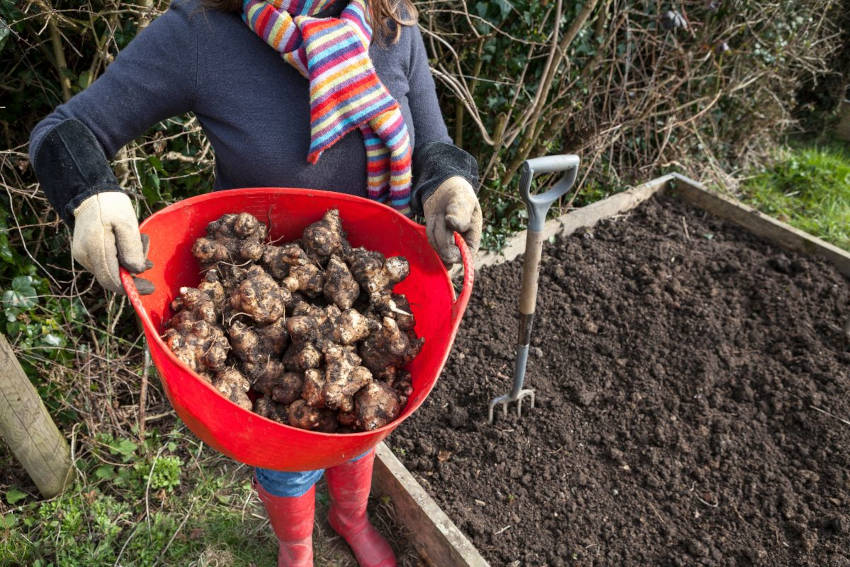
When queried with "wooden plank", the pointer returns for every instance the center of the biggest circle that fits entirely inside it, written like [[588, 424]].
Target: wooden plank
[[780, 233], [28, 429], [437, 539], [584, 217]]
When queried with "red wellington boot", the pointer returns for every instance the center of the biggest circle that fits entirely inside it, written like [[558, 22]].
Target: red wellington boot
[[349, 485], [292, 522]]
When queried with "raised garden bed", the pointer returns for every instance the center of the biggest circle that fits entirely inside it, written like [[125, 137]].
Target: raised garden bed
[[693, 398]]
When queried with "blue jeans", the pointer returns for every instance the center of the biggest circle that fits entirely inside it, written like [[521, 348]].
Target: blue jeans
[[291, 484]]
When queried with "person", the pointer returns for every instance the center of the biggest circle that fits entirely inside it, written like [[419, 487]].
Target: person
[[327, 94]]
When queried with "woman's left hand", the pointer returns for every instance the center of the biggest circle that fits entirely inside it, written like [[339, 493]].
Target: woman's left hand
[[453, 206]]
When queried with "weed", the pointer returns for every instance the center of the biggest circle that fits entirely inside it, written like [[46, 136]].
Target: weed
[[131, 506], [165, 473]]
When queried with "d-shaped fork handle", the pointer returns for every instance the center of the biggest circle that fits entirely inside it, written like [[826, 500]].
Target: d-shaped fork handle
[[538, 205]]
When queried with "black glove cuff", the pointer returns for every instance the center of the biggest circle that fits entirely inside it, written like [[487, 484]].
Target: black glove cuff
[[71, 166], [434, 163]]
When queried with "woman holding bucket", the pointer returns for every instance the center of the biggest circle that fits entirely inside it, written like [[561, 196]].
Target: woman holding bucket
[[327, 94]]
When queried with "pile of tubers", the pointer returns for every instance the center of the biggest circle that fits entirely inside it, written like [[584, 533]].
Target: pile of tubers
[[311, 328]]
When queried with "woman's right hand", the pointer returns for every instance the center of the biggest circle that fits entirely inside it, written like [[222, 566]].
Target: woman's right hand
[[106, 234]]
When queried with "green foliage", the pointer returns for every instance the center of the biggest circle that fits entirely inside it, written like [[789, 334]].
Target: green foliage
[[808, 187], [14, 496], [165, 473], [141, 468], [508, 217], [126, 507], [32, 316]]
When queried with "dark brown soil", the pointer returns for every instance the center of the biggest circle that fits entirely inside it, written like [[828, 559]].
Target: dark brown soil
[[693, 404]]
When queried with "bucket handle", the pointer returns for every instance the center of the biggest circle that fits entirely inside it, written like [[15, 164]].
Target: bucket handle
[[459, 306]]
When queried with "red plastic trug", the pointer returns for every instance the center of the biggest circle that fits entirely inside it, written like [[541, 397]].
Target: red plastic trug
[[244, 435]]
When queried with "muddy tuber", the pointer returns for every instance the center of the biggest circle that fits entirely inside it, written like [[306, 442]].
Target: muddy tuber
[[388, 349], [307, 279], [344, 377], [213, 287], [340, 286], [233, 238], [270, 409], [314, 383], [374, 272], [278, 260], [350, 327], [325, 237], [307, 333], [259, 297], [388, 304], [255, 344], [287, 389], [193, 335], [233, 386], [376, 405], [302, 356], [201, 346], [306, 417], [265, 371]]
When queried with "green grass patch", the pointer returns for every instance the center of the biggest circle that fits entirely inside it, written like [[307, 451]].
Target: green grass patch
[[164, 503], [809, 188]]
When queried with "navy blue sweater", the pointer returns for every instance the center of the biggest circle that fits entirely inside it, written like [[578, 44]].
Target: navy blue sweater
[[253, 106]]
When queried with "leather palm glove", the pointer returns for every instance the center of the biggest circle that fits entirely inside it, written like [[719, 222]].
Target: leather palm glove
[[453, 206], [106, 235], [75, 176]]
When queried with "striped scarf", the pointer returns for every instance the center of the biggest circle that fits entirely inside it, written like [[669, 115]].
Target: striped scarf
[[345, 91]]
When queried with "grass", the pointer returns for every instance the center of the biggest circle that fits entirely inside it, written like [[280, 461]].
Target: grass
[[808, 187], [170, 501]]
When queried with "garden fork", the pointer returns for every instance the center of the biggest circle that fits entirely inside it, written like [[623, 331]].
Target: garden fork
[[538, 206]]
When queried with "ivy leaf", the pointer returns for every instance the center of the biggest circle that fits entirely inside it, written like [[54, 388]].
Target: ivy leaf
[[157, 166], [22, 295], [14, 496], [84, 80], [6, 254], [125, 448], [105, 472], [52, 339], [505, 8], [150, 186], [8, 521]]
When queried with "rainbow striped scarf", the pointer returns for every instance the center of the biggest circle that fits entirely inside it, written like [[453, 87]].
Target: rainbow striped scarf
[[345, 91]]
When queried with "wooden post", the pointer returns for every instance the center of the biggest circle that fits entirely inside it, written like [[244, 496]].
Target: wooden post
[[28, 429]]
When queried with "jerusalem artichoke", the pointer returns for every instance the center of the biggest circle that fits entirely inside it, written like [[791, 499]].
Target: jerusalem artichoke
[[311, 328]]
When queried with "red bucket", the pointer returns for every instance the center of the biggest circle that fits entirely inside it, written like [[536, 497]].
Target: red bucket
[[242, 434]]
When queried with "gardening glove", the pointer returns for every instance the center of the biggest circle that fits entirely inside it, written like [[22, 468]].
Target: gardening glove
[[453, 206], [106, 234]]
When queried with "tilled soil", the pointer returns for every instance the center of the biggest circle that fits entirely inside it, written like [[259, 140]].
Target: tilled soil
[[693, 404]]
